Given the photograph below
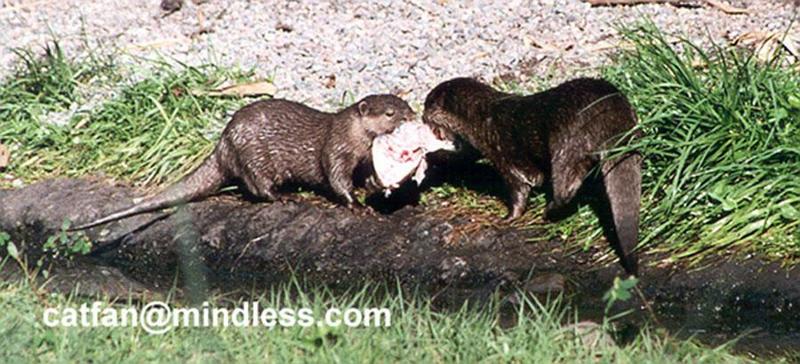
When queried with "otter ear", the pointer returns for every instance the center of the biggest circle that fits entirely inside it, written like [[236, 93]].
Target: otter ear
[[362, 108]]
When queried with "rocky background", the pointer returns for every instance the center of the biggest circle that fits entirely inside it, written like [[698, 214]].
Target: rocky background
[[321, 51]]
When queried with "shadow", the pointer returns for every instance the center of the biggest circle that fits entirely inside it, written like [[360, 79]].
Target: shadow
[[99, 251], [466, 169], [456, 169], [408, 194]]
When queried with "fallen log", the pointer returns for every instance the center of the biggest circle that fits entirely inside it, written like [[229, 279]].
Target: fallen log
[[235, 241], [226, 242]]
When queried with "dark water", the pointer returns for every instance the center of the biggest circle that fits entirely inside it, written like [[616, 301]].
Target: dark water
[[755, 325]]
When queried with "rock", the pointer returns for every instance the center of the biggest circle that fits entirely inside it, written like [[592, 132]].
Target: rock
[[171, 5], [5, 157], [453, 268], [591, 334], [545, 284]]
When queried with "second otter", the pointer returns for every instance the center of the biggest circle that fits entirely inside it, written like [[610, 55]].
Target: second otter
[[558, 135], [271, 142]]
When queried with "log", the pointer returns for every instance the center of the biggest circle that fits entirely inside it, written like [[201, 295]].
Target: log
[[227, 242], [238, 242]]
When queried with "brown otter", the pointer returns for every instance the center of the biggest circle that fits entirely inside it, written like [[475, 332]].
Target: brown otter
[[272, 142], [558, 135]]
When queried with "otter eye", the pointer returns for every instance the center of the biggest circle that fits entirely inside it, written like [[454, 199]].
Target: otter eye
[[437, 131], [390, 112]]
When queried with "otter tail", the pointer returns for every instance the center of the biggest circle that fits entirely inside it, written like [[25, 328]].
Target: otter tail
[[622, 181], [203, 181]]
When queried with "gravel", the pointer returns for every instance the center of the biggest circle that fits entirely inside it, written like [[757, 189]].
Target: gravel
[[326, 52]]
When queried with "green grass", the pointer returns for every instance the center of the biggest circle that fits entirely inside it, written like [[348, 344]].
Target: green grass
[[722, 147], [417, 334], [153, 131], [45, 83]]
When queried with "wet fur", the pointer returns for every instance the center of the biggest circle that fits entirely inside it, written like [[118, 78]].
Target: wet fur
[[273, 142], [557, 136]]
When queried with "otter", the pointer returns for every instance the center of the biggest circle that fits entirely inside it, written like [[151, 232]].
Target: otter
[[272, 142], [559, 135]]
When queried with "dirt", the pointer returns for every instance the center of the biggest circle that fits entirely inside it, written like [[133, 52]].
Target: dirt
[[228, 243]]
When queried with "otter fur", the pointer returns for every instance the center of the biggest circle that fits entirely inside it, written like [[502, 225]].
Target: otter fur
[[272, 142], [557, 136]]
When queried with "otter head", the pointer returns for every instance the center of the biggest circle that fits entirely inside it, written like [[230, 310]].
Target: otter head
[[380, 114], [448, 107]]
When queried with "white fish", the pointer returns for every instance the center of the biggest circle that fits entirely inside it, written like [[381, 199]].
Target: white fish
[[401, 153]]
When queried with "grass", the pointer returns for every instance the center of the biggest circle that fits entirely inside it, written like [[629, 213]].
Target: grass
[[722, 147], [417, 334], [151, 132], [44, 83]]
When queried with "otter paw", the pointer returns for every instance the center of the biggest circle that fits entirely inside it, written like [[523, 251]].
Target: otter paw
[[510, 217]]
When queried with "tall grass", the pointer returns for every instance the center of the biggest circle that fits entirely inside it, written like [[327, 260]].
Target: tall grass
[[152, 131], [722, 146], [47, 82]]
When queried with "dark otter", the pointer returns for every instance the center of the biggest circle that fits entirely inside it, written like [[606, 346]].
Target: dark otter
[[558, 135], [272, 142]]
